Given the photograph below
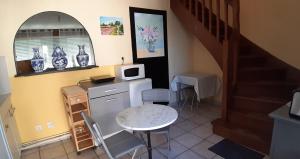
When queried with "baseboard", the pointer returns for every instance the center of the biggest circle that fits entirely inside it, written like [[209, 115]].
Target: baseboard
[[45, 141]]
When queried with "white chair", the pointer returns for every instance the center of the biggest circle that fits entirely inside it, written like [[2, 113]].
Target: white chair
[[117, 145], [159, 95]]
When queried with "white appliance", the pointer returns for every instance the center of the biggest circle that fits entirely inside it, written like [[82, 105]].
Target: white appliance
[[130, 72], [135, 90], [4, 80]]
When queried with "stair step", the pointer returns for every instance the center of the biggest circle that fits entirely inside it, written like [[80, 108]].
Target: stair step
[[261, 74], [246, 49], [265, 89], [249, 120], [255, 104], [241, 136], [252, 60]]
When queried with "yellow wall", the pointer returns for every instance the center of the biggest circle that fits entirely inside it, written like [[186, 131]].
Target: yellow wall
[[37, 98]]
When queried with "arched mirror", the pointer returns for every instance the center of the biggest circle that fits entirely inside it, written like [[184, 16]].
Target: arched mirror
[[52, 42]]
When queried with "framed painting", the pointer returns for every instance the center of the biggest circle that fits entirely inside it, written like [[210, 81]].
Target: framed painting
[[148, 33], [111, 25]]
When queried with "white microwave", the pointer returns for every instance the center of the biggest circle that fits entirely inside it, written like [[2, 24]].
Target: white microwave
[[130, 72]]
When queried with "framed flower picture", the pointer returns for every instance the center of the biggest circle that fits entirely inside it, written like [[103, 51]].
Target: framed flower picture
[[148, 33]]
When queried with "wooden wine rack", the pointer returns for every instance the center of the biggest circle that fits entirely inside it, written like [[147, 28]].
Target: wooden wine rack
[[76, 101]]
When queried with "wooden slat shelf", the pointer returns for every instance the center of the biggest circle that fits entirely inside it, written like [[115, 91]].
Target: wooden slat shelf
[[77, 108], [76, 101], [86, 144]]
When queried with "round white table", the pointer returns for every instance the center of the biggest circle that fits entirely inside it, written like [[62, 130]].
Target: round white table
[[146, 118]]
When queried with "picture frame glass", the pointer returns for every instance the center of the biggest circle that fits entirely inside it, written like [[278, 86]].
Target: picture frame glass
[[149, 35]]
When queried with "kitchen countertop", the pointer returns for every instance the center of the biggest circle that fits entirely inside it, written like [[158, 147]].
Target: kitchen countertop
[[282, 113], [89, 84]]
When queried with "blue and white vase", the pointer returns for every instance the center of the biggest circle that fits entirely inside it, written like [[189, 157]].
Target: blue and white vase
[[59, 60], [37, 62], [82, 57]]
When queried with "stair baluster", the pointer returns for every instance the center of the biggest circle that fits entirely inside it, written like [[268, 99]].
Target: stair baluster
[[210, 16]]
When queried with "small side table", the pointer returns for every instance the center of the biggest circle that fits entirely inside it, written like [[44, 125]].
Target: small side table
[[286, 135]]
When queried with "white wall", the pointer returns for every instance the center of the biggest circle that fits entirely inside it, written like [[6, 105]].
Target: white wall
[[204, 62]]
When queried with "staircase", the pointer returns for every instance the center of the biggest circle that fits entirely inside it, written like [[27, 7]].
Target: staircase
[[254, 82]]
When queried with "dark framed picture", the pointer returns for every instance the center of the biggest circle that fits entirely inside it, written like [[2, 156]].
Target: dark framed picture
[[148, 33]]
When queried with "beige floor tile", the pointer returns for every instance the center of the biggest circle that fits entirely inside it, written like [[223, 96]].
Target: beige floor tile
[[62, 157], [186, 114], [158, 139], [51, 151], [208, 124], [87, 154], [179, 120], [218, 157], [69, 146], [55, 144], [198, 119], [214, 138], [32, 155], [266, 157], [176, 149], [99, 151], [29, 151], [155, 155], [202, 132], [202, 149], [140, 152], [176, 131], [104, 156], [188, 140], [189, 155], [187, 125]]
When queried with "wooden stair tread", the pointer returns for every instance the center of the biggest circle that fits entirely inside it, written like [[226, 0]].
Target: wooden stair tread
[[285, 83], [250, 56], [262, 99], [252, 115], [261, 69], [242, 131]]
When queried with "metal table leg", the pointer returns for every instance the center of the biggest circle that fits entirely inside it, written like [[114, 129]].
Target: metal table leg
[[149, 145]]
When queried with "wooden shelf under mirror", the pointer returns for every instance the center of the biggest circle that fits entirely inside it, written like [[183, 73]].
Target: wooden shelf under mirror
[[25, 72]]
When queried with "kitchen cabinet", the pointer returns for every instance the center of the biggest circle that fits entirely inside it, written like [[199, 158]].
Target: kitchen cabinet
[[285, 140], [10, 143], [106, 101]]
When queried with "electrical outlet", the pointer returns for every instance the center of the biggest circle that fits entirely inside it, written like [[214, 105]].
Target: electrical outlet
[[38, 128], [50, 125]]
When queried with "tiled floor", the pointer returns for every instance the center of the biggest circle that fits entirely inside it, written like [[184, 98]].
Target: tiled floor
[[191, 137]]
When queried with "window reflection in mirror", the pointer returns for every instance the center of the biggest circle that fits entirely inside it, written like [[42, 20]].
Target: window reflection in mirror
[[43, 33]]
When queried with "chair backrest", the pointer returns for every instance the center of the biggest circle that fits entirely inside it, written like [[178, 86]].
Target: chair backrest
[[95, 131], [156, 95]]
